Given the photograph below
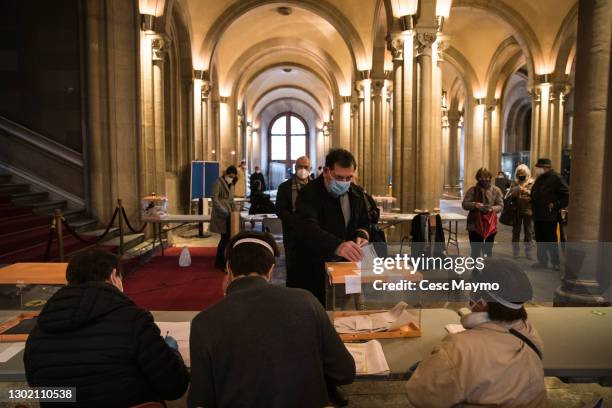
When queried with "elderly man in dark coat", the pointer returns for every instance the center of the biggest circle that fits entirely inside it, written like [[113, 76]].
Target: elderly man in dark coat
[[549, 195], [331, 222]]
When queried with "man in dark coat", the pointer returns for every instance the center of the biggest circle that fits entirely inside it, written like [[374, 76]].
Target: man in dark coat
[[91, 336], [286, 198], [549, 195], [264, 345], [331, 222], [257, 182]]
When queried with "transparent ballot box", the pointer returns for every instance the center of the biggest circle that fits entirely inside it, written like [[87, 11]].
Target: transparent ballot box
[[361, 310]]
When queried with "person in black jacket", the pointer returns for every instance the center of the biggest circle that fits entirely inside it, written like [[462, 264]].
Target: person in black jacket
[[264, 345], [91, 336], [549, 195], [257, 182], [286, 197], [331, 222]]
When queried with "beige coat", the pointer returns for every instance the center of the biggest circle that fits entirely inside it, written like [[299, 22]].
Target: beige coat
[[222, 200], [483, 366]]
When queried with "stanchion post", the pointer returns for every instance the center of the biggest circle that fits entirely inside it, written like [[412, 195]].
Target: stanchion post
[[200, 212], [59, 229], [120, 224]]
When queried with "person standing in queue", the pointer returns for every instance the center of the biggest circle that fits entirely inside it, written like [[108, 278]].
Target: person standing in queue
[[222, 200], [549, 195], [286, 198], [331, 221]]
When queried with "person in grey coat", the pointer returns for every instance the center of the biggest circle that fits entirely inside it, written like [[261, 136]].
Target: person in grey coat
[[222, 200]]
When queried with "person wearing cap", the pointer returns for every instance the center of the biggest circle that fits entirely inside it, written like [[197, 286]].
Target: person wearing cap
[[549, 195], [285, 209], [496, 361], [264, 345]]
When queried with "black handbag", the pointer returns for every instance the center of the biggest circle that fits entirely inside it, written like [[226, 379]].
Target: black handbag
[[508, 215]]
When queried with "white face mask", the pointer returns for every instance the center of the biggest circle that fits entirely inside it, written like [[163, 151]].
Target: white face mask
[[229, 179], [303, 174]]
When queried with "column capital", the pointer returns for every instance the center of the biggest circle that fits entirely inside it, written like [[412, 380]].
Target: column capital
[[424, 40], [377, 87], [395, 44], [159, 47], [206, 88], [345, 99], [454, 115]]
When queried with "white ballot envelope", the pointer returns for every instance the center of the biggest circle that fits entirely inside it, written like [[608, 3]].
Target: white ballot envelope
[[369, 358]]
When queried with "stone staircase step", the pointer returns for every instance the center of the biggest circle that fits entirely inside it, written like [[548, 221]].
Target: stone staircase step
[[9, 188], [46, 206], [26, 198], [5, 178]]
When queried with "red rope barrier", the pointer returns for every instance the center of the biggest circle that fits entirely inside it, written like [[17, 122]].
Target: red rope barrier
[[95, 240], [127, 222]]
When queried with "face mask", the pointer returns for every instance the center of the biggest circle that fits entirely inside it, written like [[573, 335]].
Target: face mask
[[474, 319], [484, 183], [337, 188], [229, 179], [539, 171], [303, 174], [522, 178], [257, 171]]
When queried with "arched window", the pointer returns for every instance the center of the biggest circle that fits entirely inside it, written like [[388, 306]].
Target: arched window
[[288, 139]]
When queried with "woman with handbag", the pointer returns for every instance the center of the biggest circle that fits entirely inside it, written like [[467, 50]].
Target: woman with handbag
[[483, 201], [520, 194]]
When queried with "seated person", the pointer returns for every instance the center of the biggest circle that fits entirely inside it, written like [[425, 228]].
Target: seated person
[[264, 345], [497, 361], [91, 336]]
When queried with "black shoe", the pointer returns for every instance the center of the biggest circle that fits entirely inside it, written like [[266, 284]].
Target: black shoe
[[337, 397]]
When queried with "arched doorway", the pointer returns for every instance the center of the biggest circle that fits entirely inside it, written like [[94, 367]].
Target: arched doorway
[[287, 140]]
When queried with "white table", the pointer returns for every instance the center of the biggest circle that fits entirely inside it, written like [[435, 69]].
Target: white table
[[254, 218]]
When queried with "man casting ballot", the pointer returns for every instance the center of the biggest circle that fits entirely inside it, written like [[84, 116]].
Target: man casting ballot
[[331, 221]]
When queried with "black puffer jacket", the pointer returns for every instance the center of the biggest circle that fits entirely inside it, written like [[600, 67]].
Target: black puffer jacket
[[94, 338]]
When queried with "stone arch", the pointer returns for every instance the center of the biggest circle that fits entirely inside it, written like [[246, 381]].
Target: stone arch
[[269, 47], [294, 87], [520, 28], [464, 68], [321, 8], [508, 57], [564, 46], [380, 51]]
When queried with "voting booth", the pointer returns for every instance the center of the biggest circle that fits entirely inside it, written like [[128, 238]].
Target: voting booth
[[203, 175]]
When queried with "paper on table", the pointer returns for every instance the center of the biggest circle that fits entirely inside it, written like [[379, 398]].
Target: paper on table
[[453, 328], [400, 315], [9, 350], [352, 284], [180, 331], [369, 358]]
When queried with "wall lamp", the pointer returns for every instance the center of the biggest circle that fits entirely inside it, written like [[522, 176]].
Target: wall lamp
[[442, 12]]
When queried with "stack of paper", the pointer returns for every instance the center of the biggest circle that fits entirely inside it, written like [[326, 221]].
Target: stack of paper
[[400, 315], [180, 331], [369, 358]]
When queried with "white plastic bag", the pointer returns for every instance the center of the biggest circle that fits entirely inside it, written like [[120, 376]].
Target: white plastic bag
[[185, 257]]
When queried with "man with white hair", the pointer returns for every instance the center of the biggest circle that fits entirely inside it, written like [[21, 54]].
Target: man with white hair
[[497, 361]]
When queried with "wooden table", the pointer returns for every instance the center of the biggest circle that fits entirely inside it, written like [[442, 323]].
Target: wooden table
[[34, 274], [577, 341]]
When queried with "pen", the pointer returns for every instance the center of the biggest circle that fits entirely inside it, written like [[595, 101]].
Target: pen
[[167, 333]]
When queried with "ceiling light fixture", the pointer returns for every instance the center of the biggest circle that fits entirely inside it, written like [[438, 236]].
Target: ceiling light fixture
[[284, 11]]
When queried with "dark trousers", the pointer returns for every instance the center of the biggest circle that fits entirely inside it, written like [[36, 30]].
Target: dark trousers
[[480, 246], [220, 258], [526, 223], [546, 237]]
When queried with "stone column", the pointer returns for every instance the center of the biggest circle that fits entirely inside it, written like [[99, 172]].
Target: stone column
[[226, 150], [376, 168], [159, 46], [345, 122], [474, 141], [454, 152], [354, 127], [446, 154], [425, 145], [205, 113], [396, 46], [547, 119], [589, 219], [492, 138], [408, 125], [365, 148]]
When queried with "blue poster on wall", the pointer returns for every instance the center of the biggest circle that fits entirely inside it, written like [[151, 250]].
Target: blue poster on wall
[[203, 175]]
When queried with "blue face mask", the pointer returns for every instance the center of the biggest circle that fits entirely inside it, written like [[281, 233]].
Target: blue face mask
[[337, 188]]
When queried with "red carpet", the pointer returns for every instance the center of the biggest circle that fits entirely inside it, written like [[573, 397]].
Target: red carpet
[[163, 285]]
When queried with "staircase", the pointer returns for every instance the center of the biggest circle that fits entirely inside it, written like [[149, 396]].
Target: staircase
[[25, 219]]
